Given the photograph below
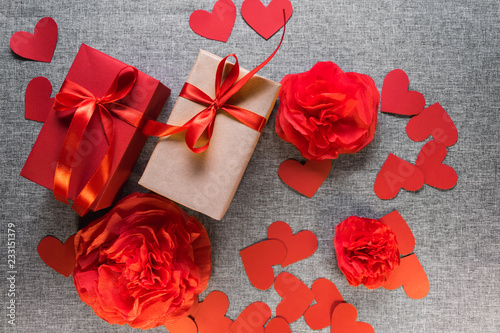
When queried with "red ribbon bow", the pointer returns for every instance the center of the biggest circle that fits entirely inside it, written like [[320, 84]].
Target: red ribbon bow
[[205, 119], [73, 96]]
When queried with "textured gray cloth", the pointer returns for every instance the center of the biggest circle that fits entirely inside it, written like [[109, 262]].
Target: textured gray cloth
[[450, 50]]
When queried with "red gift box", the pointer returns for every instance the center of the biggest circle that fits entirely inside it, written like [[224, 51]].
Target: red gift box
[[96, 72]]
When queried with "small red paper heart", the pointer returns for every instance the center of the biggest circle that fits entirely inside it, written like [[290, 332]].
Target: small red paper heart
[[183, 325], [296, 297], [39, 46], [411, 275], [216, 25], [300, 246], [435, 121], [404, 235], [430, 161], [266, 21], [37, 100], [186, 324], [327, 296], [396, 98], [252, 319], [258, 260], [278, 325], [304, 178], [210, 316], [395, 174], [194, 308], [58, 256], [344, 320]]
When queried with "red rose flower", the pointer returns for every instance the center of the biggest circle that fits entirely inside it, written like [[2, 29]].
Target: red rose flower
[[325, 112], [143, 264], [367, 251]]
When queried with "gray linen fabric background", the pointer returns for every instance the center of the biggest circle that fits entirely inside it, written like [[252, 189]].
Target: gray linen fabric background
[[450, 50]]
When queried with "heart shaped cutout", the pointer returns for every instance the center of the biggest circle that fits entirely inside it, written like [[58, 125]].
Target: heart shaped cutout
[[37, 100], [430, 161], [258, 260], [344, 320], [210, 316], [305, 178], [216, 25], [194, 308], [411, 275], [396, 98], [395, 174], [252, 319], [404, 235], [435, 121], [300, 246], [278, 325], [266, 21], [183, 325], [58, 256], [327, 296], [296, 297], [38, 46]]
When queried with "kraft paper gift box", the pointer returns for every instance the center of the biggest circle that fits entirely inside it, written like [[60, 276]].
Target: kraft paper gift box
[[96, 71], [206, 182]]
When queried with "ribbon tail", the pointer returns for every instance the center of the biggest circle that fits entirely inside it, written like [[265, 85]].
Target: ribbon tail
[[92, 189], [68, 154], [241, 82]]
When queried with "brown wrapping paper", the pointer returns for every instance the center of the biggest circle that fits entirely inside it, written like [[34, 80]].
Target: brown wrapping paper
[[207, 182]]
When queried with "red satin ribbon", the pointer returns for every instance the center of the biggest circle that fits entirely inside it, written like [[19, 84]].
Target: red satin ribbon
[[73, 96], [203, 122]]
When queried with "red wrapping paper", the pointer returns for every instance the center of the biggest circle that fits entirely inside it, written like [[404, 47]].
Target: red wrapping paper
[[95, 71]]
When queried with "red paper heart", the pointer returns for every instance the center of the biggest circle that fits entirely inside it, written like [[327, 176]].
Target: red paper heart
[[327, 296], [305, 178], [435, 121], [266, 21], [344, 320], [39, 46], [296, 297], [300, 246], [430, 161], [278, 325], [258, 260], [395, 174], [411, 275], [183, 325], [404, 235], [252, 319], [216, 25], [210, 316], [194, 308], [396, 98], [37, 100], [58, 256]]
